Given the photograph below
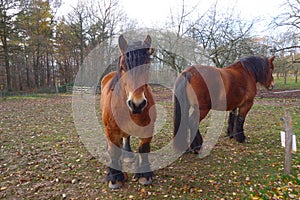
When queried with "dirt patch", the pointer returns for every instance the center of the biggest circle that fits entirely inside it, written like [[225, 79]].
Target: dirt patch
[[162, 94], [279, 97], [280, 94]]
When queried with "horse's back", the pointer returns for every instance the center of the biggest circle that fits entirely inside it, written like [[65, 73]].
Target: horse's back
[[221, 88], [106, 80]]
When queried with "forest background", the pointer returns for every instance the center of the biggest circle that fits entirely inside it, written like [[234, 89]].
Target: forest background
[[42, 48]]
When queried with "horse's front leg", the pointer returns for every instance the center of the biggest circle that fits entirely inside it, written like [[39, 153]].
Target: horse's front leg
[[126, 144], [232, 122], [144, 173], [127, 153], [115, 176]]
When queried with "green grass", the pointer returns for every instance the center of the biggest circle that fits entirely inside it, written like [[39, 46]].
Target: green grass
[[296, 120], [290, 83], [27, 96], [42, 157]]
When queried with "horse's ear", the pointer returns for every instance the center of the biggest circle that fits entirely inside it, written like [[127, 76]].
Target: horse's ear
[[123, 46], [271, 59], [147, 41]]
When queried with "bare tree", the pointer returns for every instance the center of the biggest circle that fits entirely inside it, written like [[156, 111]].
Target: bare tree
[[176, 52], [287, 44], [91, 26], [175, 48], [106, 18], [223, 37], [289, 18], [78, 21], [179, 19]]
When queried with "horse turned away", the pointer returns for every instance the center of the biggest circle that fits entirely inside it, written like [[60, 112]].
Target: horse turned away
[[233, 88]]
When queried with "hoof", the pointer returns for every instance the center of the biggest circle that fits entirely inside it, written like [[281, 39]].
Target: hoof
[[197, 151], [240, 138], [145, 181], [116, 185]]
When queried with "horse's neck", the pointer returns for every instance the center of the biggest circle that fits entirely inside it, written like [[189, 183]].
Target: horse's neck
[[121, 92]]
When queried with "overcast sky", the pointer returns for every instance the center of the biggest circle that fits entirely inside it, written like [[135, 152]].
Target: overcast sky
[[154, 10], [155, 13]]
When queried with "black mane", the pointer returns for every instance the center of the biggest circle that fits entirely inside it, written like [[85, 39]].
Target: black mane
[[136, 55], [258, 66], [117, 77]]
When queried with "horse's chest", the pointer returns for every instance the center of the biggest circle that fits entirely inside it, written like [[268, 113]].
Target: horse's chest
[[136, 125]]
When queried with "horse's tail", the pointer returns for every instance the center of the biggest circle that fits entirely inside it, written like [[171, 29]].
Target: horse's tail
[[181, 112]]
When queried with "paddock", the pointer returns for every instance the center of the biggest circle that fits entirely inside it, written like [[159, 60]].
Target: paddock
[[42, 156]]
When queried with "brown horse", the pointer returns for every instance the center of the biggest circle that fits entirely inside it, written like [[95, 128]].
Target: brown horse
[[232, 88], [128, 108]]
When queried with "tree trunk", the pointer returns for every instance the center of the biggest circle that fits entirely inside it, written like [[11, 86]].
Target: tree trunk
[[27, 73], [7, 68], [285, 75], [35, 72], [27, 78], [48, 71], [6, 56]]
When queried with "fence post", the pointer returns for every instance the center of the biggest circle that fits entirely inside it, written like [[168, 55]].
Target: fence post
[[288, 142]]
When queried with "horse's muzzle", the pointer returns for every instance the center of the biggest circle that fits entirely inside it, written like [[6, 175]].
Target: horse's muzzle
[[136, 108]]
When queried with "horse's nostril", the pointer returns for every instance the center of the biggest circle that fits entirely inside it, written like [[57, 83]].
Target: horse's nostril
[[136, 108], [143, 104], [130, 104]]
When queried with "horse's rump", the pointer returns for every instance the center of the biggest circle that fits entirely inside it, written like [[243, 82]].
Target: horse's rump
[[207, 84]]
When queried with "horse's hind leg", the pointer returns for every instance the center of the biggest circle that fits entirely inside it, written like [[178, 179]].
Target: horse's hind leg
[[143, 171], [115, 176], [232, 122], [195, 135], [197, 142]]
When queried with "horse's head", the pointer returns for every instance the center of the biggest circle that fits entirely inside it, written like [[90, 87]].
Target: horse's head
[[269, 84], [135, 62], [261, 68]]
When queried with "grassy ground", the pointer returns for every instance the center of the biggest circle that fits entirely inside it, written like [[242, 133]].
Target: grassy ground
[[42, 157], [290, 83]]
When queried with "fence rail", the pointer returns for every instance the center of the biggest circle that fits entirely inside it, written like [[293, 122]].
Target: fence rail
[[80, 89]]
